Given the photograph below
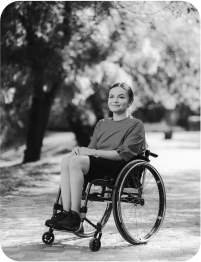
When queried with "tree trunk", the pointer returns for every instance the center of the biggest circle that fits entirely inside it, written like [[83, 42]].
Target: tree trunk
[[38, 120], [42, 100], [170, 119]]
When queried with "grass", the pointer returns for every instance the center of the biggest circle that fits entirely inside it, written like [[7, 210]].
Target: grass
[[24, 175]]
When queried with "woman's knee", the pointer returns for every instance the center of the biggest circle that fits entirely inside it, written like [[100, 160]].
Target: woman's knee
[[65, 162], [74, 162], [79, 162]]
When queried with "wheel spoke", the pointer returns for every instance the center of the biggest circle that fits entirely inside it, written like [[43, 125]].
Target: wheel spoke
[[141, 198]]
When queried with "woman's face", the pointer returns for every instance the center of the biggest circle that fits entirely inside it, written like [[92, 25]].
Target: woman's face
[[118, 100]]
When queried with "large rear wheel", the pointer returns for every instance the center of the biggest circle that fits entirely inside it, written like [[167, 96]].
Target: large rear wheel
[[139, 202]]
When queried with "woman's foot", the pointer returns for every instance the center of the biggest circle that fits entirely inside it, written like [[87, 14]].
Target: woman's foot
[[54, 220], [71, 222]]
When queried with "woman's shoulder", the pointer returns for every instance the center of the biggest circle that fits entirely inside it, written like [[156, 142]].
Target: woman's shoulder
[[135, 120], [131, 120], [103, 122], [135, 123]]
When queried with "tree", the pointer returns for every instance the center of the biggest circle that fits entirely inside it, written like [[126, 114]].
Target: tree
[[156, 51], [34, 34], [15, 101], [32, 38], [168, 43], [84, 47], [148, 43], [168, 70]]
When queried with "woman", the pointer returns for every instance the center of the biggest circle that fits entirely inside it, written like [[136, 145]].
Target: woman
[[114, 139]]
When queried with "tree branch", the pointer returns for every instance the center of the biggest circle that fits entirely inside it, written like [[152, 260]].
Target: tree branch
[[145, 13]]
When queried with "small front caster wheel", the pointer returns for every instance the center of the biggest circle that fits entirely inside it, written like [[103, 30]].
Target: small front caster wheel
[[95, 244], [48, 238]]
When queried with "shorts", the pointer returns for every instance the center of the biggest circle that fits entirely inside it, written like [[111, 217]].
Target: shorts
[[101, 167]]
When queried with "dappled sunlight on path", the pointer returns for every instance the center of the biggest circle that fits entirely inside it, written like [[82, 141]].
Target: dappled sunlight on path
[[55, 144], [24, 211]]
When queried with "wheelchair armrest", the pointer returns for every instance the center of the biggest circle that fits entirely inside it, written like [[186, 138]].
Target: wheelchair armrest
[[149, 153], [142, 157]]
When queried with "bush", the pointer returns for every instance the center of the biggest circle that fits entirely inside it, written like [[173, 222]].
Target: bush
[[194, 123]]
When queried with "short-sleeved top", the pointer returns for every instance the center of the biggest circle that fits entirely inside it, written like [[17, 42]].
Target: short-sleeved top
[[126, 136]]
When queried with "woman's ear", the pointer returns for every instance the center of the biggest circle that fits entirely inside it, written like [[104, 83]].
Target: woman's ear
[[130, 103]]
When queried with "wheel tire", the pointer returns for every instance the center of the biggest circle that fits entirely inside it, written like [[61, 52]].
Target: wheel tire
[[95, 244], [139, 211], [48, 238]]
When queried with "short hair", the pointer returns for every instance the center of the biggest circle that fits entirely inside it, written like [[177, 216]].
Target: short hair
[[127, 88]]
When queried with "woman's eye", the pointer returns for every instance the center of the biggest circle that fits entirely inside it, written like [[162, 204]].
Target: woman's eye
[[118, 97]]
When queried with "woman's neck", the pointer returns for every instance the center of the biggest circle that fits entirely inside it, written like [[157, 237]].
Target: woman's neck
[[118, 117]]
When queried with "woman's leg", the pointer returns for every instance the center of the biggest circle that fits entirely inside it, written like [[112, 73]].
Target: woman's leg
[[78, 166], [65, 193], [65, 183]]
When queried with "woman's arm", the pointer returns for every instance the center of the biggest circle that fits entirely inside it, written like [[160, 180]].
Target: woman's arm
[[110, 154]]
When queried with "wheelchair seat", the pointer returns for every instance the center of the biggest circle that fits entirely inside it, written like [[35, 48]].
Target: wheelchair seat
[[109, 181]]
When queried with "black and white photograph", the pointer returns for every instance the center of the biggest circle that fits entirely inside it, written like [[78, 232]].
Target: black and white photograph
[[100, 131]]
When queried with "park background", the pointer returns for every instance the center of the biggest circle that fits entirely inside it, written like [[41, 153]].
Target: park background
[[58, 61], [60, 58]]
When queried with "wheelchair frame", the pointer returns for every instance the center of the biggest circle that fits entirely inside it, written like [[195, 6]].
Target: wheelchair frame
[[125, 187]]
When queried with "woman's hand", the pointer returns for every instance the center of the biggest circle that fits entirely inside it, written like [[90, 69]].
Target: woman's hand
[[75, 151], [85, 151]]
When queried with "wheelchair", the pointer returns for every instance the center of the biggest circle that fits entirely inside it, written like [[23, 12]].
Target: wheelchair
[[135, 192]]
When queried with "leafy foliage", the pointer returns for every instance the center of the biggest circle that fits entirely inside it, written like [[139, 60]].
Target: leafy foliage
[[34, 36], [155, 50], [81, 48]]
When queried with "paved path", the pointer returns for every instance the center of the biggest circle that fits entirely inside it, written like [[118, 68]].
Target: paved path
[[23, 214]]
